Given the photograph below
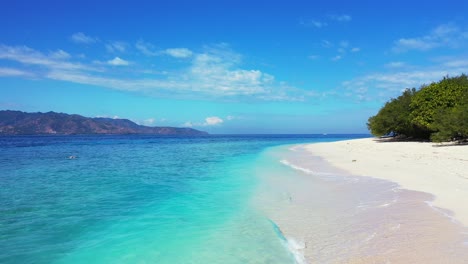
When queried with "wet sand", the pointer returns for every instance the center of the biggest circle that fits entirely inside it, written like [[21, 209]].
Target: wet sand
[[427, 167], [329, 215]]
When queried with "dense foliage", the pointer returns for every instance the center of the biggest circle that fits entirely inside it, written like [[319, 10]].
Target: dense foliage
[[438, 112]]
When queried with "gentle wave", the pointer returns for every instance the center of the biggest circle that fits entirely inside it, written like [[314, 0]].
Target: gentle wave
[[329, 176], [445, 213], [292, 245], [287, 163]]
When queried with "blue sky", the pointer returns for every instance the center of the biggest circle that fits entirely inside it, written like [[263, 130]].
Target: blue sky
[[227, 66]]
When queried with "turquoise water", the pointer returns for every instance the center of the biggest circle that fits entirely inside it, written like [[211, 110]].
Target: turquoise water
[[136, 199]]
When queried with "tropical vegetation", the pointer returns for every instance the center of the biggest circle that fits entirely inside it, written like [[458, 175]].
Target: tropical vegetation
[[438, 112]]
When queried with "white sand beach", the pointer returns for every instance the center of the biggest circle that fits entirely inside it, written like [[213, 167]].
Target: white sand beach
[[363, 201], [426, 167]]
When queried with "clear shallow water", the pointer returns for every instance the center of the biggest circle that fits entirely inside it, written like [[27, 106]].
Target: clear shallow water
[[136, 199]]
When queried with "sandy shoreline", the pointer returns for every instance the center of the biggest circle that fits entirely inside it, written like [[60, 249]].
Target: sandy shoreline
[[441, 171], [331, 211]]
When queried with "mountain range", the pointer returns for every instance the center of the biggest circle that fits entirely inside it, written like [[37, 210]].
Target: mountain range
[[52, 123]]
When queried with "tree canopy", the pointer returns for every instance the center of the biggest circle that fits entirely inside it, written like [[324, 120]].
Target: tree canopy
[[438, 111]]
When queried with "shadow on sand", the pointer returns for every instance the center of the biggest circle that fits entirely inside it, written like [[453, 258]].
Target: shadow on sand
[[405, 139]]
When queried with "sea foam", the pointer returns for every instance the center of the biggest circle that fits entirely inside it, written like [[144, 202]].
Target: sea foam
[[291, 244], [287, 163]]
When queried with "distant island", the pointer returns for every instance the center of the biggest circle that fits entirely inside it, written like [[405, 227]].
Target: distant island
[[52, 123]]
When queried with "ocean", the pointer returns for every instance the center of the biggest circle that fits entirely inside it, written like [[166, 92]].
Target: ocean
[[139, 199]]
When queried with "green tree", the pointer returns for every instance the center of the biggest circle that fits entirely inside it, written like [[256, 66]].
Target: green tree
[[394, 116], [435, 98], [438, 111], [452, 123]]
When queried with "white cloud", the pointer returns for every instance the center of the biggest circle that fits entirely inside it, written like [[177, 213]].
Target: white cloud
[[417, 44], [10, 72], [395, 64], [447, 35], [179, 52], [337, 58], [214, 73], [118, 62], [146, 48], [315, 23], [60, 55], [343, 47], [388, 84], [116, 46], [326, 44], [344, 44], [213, 121], [30, 57], [149, 49], [81, 38], [187, 124], [314, 57], [149, 121], [341, 18], [113, 83], [320, 24], [456, 63], [312, 23], [209, 121]]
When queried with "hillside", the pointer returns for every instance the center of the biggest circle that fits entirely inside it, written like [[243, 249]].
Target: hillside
[[22, 123]]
